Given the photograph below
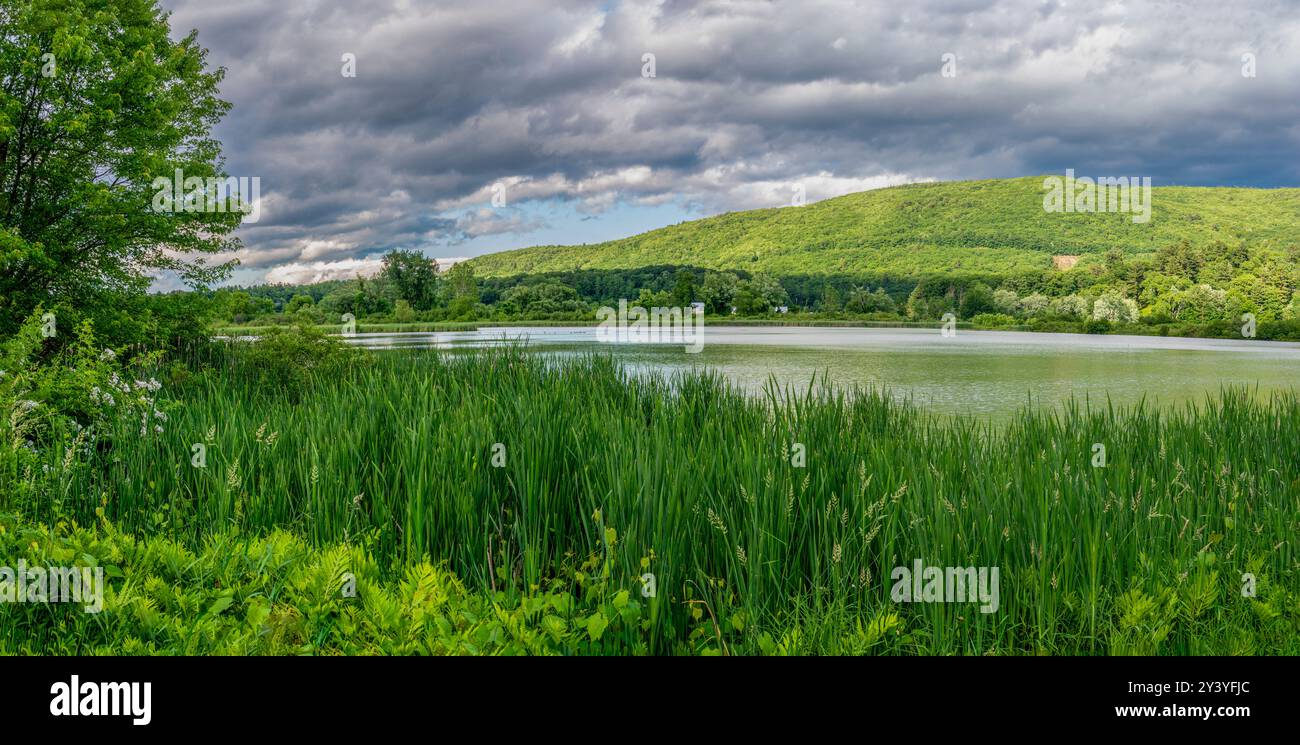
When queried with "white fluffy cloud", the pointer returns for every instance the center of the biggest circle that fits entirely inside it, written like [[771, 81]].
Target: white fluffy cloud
[[322, 271]]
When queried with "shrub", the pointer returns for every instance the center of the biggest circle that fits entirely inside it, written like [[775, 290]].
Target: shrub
[[1115, 308], [45, 387], [1034, 305], [1071, 306], [402, 312], [1007, 302], [993, 320], [288, 359]]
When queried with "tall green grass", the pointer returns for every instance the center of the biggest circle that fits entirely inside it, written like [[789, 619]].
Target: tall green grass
[[695, 482]]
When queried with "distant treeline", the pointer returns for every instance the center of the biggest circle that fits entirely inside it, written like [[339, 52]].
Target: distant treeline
[[1196, 288]]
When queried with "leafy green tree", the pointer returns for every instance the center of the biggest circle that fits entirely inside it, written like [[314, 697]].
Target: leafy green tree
[[863, 301], [1158, 285], [1071, 306], [541, 300], [993, 320], [238, 306], [414, 278], [650, 299], [1235, 255], [918, 305], [978, 298], [1217, 272], [684, 288], [830, 301], [369, 298], [462, 290], [719, 291], [1292, 311], [1113, 307], [1277, 271], [96, 102], [1254, 294], [1114, 259], [1035, 305], [299, 302], [759, 294], [402, 312], [748, 301], [1180, 259], [1007, 302], [1197, 304]]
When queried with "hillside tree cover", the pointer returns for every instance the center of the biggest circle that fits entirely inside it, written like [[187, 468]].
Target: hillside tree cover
[[991, 228]]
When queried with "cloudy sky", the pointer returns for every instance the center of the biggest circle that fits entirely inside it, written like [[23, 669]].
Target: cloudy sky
[[549, 103]]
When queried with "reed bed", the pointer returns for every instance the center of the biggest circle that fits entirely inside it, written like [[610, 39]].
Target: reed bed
[[774, 521]]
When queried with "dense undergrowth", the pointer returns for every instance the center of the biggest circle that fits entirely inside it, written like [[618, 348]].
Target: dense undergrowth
[[508, 502]]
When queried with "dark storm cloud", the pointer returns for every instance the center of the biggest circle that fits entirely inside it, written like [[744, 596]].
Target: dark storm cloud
[[749, 97]]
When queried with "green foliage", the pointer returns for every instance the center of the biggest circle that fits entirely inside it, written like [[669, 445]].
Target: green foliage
[[543, 300], [299, 302], [277, 595], [719, 292], [80, 148], [1114, 308], [949, 244], [239, 306], [751, 552], [759, 294], [289, 360], [1072, 307], [684, 288], [994, 228], [1034, 305], [462, 290], [862, 301], [977, 299], [60, 402], [993, 320], [402, 312], [830, 300], [413, 277]]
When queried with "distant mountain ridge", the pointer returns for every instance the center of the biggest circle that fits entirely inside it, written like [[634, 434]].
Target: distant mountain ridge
[[964, 227]]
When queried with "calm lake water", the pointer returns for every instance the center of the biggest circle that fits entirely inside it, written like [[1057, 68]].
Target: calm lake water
[[985, 373]]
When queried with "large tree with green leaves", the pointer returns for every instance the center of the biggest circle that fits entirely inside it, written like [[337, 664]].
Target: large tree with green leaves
[[97, 101], [413, 276]]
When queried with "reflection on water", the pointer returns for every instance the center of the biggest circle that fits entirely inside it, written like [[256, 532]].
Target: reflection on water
[[986, 373]]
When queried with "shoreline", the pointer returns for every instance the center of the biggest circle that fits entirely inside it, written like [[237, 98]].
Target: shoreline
[[1132, 330]]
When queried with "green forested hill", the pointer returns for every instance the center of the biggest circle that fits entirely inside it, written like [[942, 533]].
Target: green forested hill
[[984, 227]]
